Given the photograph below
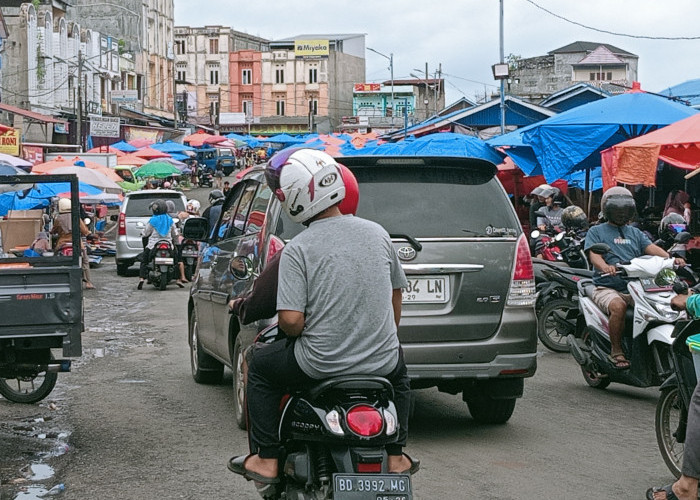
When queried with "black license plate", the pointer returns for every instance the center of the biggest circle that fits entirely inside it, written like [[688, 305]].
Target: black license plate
[[372, 486]]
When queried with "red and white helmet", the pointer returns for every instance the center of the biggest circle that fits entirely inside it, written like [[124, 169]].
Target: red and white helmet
[[306, 181]]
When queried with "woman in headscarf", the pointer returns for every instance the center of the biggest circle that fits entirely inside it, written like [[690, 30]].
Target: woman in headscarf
[[63, 228], [160, 227], [678, 202]]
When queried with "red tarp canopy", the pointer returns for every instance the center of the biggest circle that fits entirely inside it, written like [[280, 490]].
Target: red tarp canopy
[[518, 184], [634, 161]]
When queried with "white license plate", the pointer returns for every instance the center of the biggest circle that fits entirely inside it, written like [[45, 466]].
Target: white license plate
[[189, 253], [365, 486], [163, 261], [426, 289]]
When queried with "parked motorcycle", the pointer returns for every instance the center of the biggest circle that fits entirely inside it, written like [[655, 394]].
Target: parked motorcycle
[[333, 436], [563, 246], [206, 178], [161, 268], [189, 253], [647, 339]]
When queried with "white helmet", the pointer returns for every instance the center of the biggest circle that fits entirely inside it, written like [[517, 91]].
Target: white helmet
[[193, 206], [306, 181], [64, 205]]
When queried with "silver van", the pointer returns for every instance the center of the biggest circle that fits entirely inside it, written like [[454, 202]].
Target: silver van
[[133, 217]]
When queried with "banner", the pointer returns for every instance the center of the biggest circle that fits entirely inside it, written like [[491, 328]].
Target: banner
[[10, 142], [311, 48], [34, 154], [368, 87], [131, 133], [104, 126]]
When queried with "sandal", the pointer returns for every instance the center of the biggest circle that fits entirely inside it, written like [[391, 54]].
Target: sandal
[[415, 466], [237, 465], [180, 284], [670, 495], [619, 361]]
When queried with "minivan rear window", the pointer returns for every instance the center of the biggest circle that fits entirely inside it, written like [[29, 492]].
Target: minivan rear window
[[138, 206], [436, 202]]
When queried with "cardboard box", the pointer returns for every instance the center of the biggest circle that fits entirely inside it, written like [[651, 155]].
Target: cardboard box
[[19, 232], [25, 214]]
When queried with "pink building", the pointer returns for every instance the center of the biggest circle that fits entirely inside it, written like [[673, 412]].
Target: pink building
[[245, 83]]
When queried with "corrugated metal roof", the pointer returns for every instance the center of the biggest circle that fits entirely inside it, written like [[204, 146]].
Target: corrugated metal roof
[[589, 47], [29, 114], [600, 55]]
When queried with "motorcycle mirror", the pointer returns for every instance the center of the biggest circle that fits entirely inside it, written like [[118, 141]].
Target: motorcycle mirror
[[600, 248], [87, 221], [665, 277], [683, 237], [540, 213], [535, 234], [241, 267], [559, 236], [196, 228]]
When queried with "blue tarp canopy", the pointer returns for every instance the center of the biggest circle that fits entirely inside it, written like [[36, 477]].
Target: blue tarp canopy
[[124, 146], [170, 147], [573, 140], [39, 195], [284, 139]]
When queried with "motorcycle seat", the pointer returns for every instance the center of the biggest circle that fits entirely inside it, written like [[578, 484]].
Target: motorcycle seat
[[349, 382], [584, 273]]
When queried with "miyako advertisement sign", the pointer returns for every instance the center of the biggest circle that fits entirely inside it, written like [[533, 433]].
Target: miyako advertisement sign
[[311, 48]]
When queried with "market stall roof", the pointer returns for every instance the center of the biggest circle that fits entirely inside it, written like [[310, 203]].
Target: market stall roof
[[131, 159], [124, 146], [106, 149], [32, 115], [635, 161], [573, 139], [688, 91], [150, 153]]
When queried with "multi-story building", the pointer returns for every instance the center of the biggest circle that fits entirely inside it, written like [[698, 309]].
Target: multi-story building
[[372, 107], [206, 86], [599, 64], [307, 82]]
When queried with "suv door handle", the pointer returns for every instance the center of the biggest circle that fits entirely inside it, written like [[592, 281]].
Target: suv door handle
[[441, 268]]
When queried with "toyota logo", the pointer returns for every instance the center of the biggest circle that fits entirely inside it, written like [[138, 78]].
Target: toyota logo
[[406, 253]]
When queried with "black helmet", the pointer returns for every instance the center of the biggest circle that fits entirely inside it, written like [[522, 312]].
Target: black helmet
[[216, 195], [671, 225], [573, 217], [159, 207], [558, 198], [618, 206]]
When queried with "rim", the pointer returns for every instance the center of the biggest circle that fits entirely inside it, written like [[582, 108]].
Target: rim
[[550, 327], [670, 418], [194, 355], [239, 384], [593, 376], [24, 386]]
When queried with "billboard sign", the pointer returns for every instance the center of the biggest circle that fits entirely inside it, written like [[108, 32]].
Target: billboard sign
[[124, 96], [367, 87], [311, 48], [104, 126], [232, 119], [10, 142]]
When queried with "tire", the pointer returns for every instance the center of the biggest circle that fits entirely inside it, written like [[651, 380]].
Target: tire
[[28, 389], [122, 268], [592, 376], [205, 369], [668, 414], [189, 272], [239, 388], [162, 281], [552, 331], [487, 410]]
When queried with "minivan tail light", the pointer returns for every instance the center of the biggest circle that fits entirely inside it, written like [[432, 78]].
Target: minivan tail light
[[122, 224], [274, 246], [522, 287]]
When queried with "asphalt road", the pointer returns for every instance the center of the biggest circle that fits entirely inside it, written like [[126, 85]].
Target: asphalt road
[[129, 423]]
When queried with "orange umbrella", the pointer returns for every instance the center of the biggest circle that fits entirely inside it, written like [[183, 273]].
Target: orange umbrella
[[59, 161], [106, 149], [150, 153], [46, 167], [131, 159], [199, 139]]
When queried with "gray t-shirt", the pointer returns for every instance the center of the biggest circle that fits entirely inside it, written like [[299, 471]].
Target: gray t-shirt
[[340, 272]]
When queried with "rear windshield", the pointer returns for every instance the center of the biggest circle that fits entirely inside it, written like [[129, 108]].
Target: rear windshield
[[138, 206], [429, 203], [436, 202]]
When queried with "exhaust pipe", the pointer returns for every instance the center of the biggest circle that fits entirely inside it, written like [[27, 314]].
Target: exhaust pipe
[[62, 366], [581, 357]]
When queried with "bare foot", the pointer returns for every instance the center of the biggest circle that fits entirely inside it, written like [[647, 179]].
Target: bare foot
[[399, 464], [266, 467]]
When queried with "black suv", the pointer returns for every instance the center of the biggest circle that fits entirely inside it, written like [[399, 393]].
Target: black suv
[[468, 324]]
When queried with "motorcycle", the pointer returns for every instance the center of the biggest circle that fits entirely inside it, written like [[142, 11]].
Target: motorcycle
[[161, 268], [564, 246], [206, 178], [333, 436], [672, 407], [557, 305], [189, 253], [648, 327]]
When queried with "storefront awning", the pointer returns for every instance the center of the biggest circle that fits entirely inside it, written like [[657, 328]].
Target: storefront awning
[[37, 117]]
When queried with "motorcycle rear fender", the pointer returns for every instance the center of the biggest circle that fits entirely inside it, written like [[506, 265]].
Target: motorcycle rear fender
[[671, 381], [662, 333]]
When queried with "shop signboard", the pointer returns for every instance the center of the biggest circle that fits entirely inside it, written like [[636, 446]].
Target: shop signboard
[[124, 96], [104, 126], [10, 142], [311, 48], [367, 87]]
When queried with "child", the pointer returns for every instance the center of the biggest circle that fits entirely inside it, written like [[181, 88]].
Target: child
[[41, 244]]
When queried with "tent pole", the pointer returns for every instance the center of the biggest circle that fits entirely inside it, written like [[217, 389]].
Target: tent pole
[[587, 190]]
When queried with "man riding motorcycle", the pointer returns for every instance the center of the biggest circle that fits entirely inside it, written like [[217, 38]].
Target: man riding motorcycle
[[338, 301], [626, 243], [213, 211]]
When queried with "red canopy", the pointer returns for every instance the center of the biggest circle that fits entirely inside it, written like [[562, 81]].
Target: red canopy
[[201, 138], [634, 161], [106, 149], [150, 153]]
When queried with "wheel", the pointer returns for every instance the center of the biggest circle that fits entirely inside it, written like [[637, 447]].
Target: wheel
[[205, 369], [122, 268], [553, 324], [592, 376], [487, 410], [162, 281], [28, 389], [189, 272], [239, 378], [668, 415]]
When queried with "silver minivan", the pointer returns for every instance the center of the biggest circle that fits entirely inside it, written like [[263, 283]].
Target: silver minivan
[[133, 217]]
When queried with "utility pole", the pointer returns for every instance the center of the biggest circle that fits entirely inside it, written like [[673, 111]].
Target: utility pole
[[503, 82], [426, 100], [79, 131], [174, 96], [438, 73]]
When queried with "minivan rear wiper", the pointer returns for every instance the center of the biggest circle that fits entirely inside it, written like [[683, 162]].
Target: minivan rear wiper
[[414, 242]]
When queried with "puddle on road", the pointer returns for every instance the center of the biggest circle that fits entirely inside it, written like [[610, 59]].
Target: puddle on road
[[40, 472]]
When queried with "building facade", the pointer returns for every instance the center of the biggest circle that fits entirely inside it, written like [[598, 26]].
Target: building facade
[[206, 84], [602, 65]]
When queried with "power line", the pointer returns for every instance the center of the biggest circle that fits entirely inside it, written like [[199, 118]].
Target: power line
[[599, 30]]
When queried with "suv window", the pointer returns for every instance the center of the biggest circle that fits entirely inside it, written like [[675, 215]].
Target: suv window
[[256, 220], [233, 221], [138, 206], [225, 152], [435, 202]]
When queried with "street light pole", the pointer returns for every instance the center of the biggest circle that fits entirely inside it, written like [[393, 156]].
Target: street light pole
[[503, 82], [391, 68]]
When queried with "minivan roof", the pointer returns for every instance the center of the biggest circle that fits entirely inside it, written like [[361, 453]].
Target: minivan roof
[[419, 161], [144, 192]]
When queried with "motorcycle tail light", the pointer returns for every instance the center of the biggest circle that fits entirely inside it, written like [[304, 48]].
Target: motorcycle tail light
[[163, 246], [365, 420], [122, 224], [369, 468]]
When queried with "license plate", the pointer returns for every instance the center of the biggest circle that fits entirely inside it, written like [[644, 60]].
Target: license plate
[[189, 253], [427, 289], [160, 260], [372, 486]]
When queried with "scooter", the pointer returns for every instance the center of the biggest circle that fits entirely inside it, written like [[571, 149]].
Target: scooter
[[333, 436], [161, 268], [189, 253], [565, 246], [648, 327], [206, 178]]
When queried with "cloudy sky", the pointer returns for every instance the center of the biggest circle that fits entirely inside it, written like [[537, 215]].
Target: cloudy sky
[[463, 35]]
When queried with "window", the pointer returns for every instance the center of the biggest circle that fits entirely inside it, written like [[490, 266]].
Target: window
[[247, 107], [313, 106], [280, 108], [313, 75], [181, 72], [247, 77], [214, 74], [256, 220], [213, 45], [592, 77], [609, 75], [235, 217], [279, 75]]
